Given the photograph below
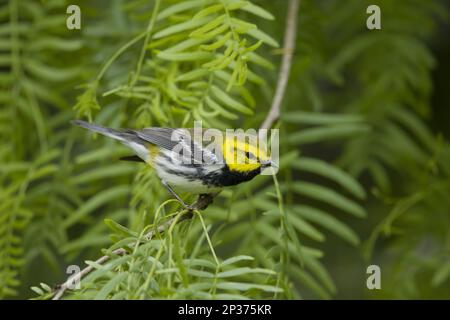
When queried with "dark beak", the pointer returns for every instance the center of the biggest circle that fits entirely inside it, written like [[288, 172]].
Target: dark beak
[[269, 163]]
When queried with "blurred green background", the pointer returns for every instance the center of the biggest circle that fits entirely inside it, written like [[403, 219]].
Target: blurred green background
[[364, 135]]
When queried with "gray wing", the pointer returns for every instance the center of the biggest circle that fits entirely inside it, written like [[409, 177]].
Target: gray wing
[[179, 140], [166, 138]]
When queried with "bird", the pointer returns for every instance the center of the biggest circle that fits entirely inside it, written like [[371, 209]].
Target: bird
[[184, 163]]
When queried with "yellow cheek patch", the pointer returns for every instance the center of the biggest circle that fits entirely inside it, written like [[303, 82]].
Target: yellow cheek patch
[[243, 167], [235, 150]]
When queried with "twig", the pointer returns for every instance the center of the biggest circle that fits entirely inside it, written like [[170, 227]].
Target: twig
[[283, 76], [200, 204], [146, 41], [70, 282], [204, 200]]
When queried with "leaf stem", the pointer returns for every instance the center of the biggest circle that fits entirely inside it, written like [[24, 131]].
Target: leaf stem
[[288, 48], [207, 237], [148, 32]]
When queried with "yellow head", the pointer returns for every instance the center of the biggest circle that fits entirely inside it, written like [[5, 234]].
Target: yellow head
[[244, 155]]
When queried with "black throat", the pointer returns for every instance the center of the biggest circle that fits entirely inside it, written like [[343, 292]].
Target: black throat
[[227, 177]]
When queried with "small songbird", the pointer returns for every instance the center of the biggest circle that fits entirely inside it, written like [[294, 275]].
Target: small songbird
[[184, 163]]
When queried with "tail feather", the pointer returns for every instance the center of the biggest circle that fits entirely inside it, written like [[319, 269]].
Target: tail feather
[[112, 133], [127, 137]]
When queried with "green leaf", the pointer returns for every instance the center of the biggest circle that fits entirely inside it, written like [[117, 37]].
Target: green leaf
[[329, 196], [331, 172], [110, 285], [218, 44], [242, 271], [264, 37], [314, 265], [103, 172], [85, 242], [119, 229], [209, 36], [329, 222], [97, 155], [320, 118], [184, 56], [54, 43], [183, 45], [43, 92], [325, 134], [257, 10], [46, 287], [38, 290], [240, 286], [180, 7], [257, 59], [212, 25], [200, 273], [305, 228], [200, 263], [214, 105], [192, 75], [102, 270], [49, 73], [242, 26], [235, 259], [413, 123], [208, 11], [227, 296], [180, 27], [441, 274], [307, 280], [98, 200], [229, 101]]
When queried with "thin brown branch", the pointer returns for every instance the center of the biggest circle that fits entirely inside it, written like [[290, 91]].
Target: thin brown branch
[[283, 76], [201, 204]]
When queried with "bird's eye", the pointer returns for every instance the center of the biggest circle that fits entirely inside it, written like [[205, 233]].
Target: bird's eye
[[250, 155]]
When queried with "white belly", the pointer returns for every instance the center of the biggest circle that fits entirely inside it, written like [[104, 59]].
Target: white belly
[[166, 172], [181, 184]]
